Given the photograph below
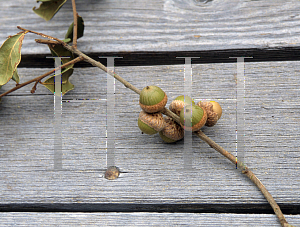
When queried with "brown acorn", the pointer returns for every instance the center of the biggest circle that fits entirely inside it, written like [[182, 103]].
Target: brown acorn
[[172, 132], [151, 123], [213, 110], [153, 99]]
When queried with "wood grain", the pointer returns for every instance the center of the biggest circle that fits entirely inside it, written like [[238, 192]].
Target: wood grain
[[142, 219], [152, 170], [162, 25], [214, 193]]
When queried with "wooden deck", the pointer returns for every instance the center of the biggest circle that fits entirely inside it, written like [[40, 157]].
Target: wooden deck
[[152, 189]]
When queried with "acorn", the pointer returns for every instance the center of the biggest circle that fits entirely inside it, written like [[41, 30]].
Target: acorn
[[153, 99], [178, 103], [213, 110], [198, 117], [172, 132], [151, 123]]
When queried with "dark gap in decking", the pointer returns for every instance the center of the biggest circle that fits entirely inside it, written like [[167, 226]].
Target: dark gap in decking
[[171, 208], [169, 58]]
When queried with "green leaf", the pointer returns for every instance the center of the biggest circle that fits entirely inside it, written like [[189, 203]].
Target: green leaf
[[16, 77], [48, 9], [59, 51], [10, 57], [80, 30], [65, 86]]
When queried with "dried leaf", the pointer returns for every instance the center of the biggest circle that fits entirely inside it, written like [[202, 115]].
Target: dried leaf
[[65, 83], [80, 30], [10, 57], [60, 51], [48, 9], [16, 77]]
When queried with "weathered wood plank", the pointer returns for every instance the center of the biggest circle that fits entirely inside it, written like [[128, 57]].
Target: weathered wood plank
[[162, 25], [142, 219], [152, 169]]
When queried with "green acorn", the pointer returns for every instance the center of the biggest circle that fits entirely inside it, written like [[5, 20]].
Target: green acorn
[[198, 117], [153, 99], [151, 123]]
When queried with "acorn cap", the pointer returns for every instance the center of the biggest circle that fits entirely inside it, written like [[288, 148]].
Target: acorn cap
[[153, 99], [178, 103], [151, 123], [198, 115], [172, 132], [176, 106], [213, 110], [212, 117]]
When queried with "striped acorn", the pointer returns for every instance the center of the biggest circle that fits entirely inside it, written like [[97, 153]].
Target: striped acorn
[[178, 103], [151, 123], [213, 110], [198, 117], [172, 132], [153, 99]]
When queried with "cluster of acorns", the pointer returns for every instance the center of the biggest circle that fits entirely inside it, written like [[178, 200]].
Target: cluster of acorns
[[153, 100]]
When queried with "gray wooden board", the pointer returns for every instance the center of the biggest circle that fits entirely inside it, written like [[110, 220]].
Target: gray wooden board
[[153, 168], [141, 219], [162, 25]]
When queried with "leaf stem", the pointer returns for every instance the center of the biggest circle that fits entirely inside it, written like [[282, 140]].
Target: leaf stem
[[37, 79], [75, 18]]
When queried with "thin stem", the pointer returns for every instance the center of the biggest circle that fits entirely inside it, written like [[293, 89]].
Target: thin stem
[[42, 76], [248, 173], [47, 41], [41, 34], [75, 16], [101, 66], [34, 87], [94, 63]]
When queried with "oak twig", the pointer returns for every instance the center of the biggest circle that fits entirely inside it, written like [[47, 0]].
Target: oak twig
[[167, 112]]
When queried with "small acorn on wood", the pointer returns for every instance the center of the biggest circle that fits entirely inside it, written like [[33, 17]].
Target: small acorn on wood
[[198, 117], [151, 123], [178, 104], [172, 132], [213, 110], [153, 99]]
